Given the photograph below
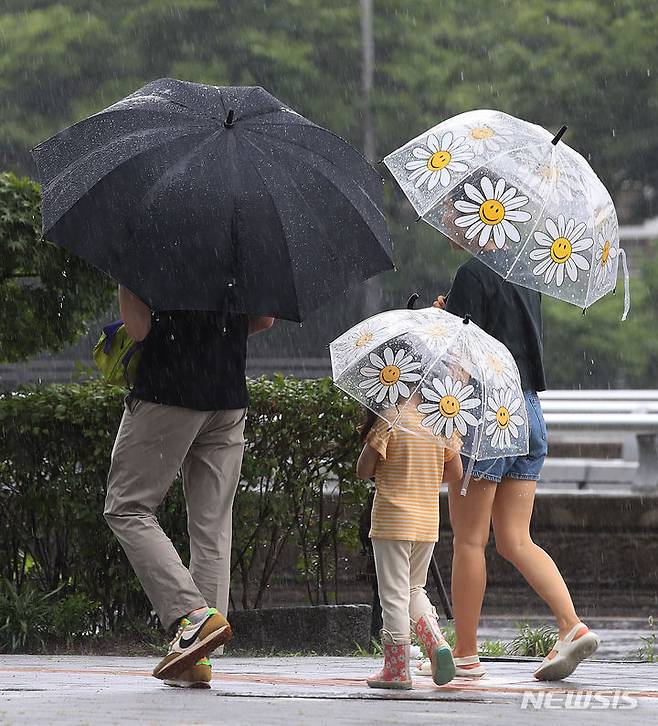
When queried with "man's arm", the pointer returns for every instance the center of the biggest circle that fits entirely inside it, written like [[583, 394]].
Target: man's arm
[[258, 323], [135, 314]]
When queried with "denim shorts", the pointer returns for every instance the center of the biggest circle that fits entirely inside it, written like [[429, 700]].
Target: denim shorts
[[519, 467]]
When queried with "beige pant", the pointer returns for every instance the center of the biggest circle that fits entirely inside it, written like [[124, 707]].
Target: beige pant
[[402, 568], [152, 444]]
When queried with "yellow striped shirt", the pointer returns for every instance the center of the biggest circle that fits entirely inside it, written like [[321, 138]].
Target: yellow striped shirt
[[408, 477]]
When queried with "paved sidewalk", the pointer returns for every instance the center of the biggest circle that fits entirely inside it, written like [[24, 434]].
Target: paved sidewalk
[[291, 691]]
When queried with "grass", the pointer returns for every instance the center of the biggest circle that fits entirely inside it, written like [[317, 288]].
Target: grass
[[648, 651], [533, 642]]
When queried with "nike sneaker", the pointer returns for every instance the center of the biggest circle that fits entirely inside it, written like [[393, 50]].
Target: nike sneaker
[[197, 676], [192, 641]]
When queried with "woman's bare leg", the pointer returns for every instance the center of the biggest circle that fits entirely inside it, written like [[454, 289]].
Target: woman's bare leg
[[512, 511], [470, 518]]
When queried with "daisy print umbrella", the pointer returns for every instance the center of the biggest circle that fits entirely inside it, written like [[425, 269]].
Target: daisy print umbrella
[[520, 199], [435, 375]]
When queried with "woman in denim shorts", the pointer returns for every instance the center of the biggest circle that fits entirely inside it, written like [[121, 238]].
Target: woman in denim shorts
[[502, 491]]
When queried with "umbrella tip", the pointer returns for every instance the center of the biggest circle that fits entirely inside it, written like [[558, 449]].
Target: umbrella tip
[[228, 121], [559, 135], [466, 320], [412, 300]]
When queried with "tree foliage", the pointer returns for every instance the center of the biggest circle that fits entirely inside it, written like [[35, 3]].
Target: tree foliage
[[590, 64], [46, 296]]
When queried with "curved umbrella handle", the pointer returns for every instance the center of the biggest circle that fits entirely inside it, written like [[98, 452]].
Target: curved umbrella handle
[[412, 300]]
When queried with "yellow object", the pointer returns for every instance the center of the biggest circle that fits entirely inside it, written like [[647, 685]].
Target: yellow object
[[408, 478]]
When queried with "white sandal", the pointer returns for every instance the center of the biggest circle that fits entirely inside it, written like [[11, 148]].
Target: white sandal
[[579, 643], [469, 666]]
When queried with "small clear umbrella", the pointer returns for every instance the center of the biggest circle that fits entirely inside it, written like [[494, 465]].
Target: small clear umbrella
[[515, 196], [434, 374]]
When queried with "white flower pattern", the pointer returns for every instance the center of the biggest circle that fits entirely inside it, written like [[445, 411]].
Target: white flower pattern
[[435, 163], [504, 421], [389, 375], [605, 256], [491, 210], [448, 407], [558, 251], [484, 137]]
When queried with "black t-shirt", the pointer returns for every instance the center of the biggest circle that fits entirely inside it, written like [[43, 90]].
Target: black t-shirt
[[188, 360], [508, 312]]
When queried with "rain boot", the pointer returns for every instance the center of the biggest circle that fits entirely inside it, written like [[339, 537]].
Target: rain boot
[[395, 673], [437, 649]]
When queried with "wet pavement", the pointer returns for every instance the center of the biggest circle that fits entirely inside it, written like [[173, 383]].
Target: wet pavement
[[291, 691]]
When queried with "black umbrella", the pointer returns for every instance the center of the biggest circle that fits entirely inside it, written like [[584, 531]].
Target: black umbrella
[[202, 197]]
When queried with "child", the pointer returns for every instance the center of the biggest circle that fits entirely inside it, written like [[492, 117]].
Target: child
[[408, 470]]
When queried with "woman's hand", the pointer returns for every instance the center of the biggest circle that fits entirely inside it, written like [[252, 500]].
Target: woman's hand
[[440, 302]]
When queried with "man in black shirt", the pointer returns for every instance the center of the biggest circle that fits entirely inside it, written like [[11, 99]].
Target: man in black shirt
[[186, 411], [502, 491]]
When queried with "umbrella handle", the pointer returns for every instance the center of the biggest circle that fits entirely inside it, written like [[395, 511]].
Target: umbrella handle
[[412, 300]]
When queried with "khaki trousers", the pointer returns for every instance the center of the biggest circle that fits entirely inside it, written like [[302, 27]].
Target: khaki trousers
[[152, 444], [402, 568]]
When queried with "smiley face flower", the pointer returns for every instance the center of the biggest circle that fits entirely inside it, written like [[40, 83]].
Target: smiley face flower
[[605, 256], [435, 163], [504, 421], [448, 407], [388, 376], [558, 250], [491, 210]]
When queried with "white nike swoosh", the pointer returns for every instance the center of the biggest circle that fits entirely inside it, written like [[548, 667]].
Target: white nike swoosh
[[189, 634]]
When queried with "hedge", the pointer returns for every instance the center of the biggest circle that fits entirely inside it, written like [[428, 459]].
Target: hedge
[[55, 443]]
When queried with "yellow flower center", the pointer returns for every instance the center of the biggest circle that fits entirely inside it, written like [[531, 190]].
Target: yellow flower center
[[606, 252], [389, 375], [449, 406], [439, 160], [561, 250], [435, 331], [502, 417], [479, 133], [548, 172], [492, 212], [496, 364], [363, 339]]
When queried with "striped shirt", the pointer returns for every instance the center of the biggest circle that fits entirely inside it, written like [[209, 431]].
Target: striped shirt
[[408, 477]]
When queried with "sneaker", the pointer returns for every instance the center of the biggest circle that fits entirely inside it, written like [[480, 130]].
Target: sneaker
[[579, 643], [193, 641], [197, 676]]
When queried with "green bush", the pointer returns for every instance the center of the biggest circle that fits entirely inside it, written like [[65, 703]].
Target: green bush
[[55, 443]]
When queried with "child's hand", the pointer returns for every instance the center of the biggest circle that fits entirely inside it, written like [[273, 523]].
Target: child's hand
[[440, 302]]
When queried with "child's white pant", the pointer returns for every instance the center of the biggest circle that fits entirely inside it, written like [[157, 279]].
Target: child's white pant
[[401, 576]]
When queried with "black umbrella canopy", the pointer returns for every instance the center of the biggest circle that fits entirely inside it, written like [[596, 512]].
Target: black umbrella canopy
[[198, 197]]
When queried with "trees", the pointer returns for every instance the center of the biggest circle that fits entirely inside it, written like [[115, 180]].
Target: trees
[[46, 297], [587, 63]]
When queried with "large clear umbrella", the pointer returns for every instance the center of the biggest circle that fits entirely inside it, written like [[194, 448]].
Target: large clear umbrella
[[436, 375], [519, 199]]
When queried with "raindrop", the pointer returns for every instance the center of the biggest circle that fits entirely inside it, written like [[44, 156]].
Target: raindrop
[[613, 133]]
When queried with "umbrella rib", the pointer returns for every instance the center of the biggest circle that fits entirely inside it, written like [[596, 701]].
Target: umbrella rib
[[534, 227], [72, 168], [114, 169], [319, 224], [319, 170], [169, 170], [322, 156]]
